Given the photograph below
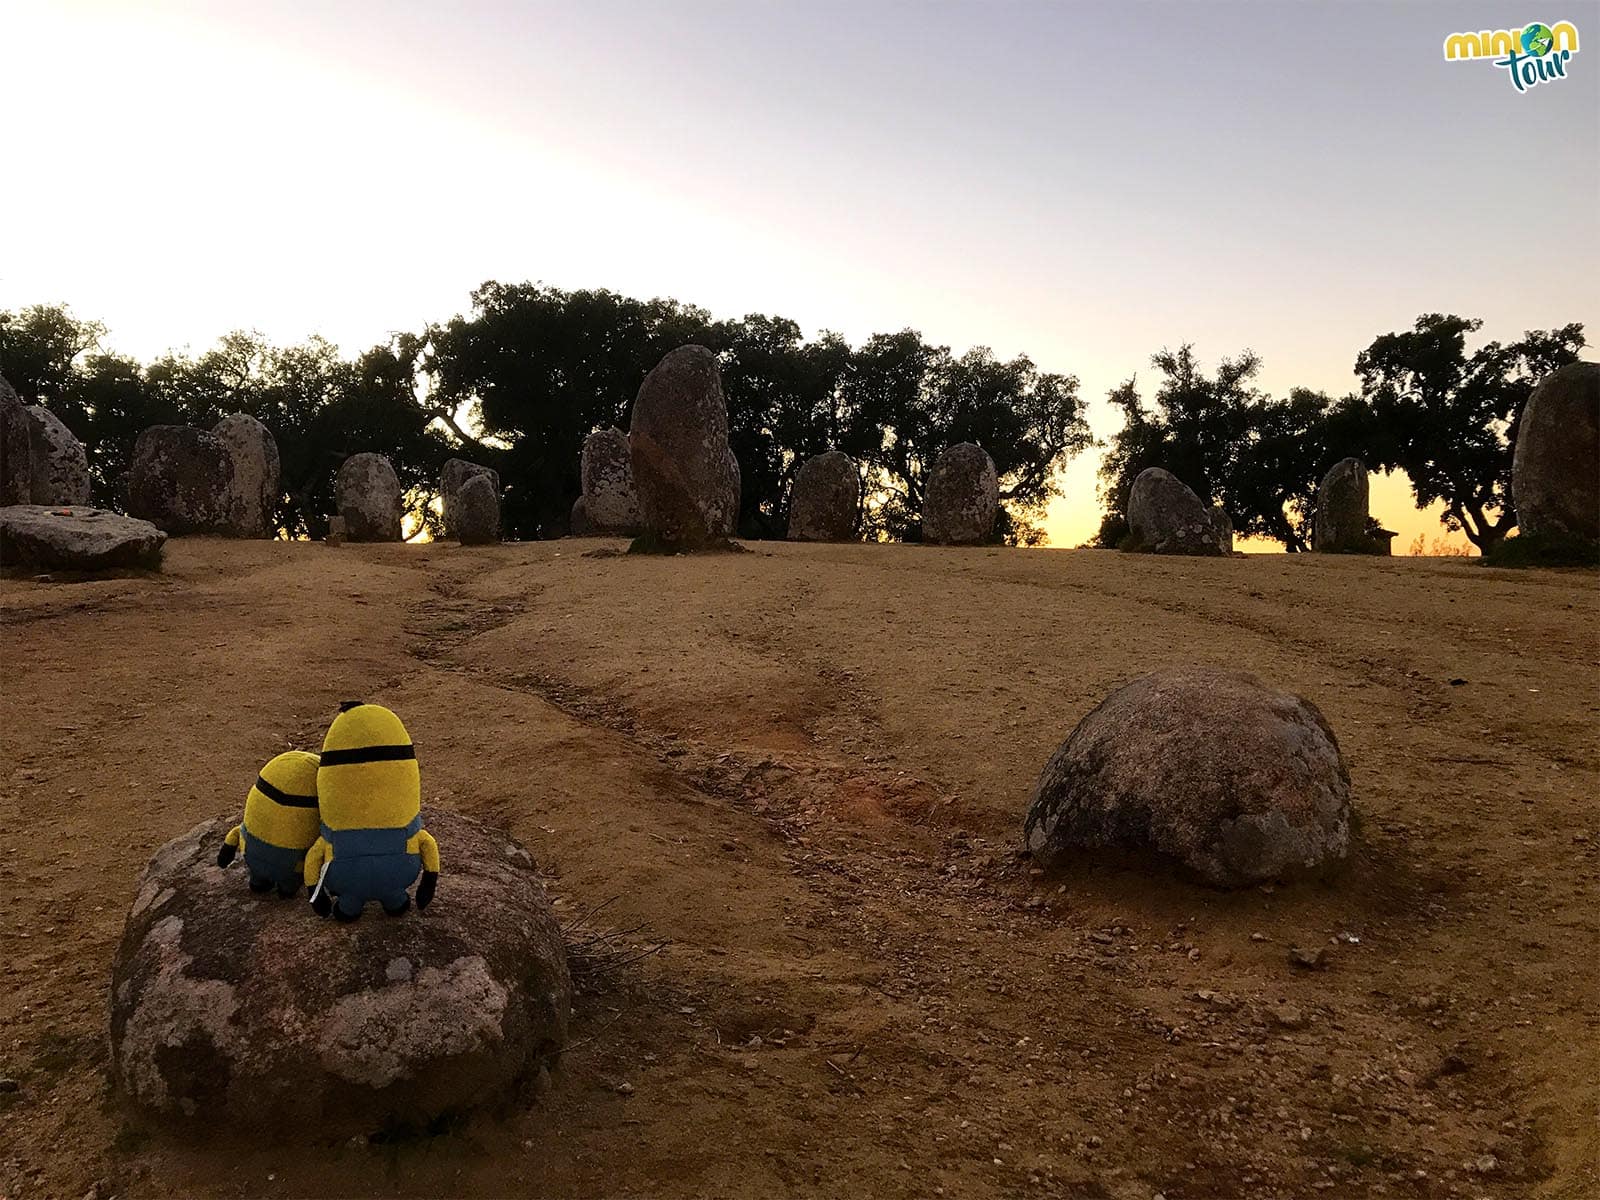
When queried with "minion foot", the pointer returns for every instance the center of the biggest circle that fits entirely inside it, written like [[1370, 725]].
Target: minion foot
[[399, 908], [347, 917], [259, 883]]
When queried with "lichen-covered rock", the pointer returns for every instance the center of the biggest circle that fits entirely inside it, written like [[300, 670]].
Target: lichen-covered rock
[[244, 1012], [1166, 517], [1221, 529], [77, 538], [684, 471], [58, 467], [610, 501], [16, 456], [452, 476], [182, 480], [1555, 469], [962, 497], [825, 505], [367, 494], [253, 495], [477, 511], [1238, 781]]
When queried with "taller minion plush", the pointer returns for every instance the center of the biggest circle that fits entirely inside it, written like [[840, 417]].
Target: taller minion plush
[[280, 823], [369, 794]]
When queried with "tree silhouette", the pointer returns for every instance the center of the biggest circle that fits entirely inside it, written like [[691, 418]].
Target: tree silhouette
[[1448, 418]]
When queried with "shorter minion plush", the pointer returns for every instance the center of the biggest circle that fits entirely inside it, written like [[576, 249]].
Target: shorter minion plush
[[280, 824], [369, 793]]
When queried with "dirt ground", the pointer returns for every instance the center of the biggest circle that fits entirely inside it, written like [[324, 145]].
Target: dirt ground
[[805, 768]]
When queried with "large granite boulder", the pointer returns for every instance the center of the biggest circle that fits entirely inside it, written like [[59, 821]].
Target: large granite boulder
[[610, 501], [79, 538], [962, 497], [1236, 780], [16, 476], [1166, 517], [1342, 524], [367, 494], [232, 1011], [58, 467], [182, 480], [477, 511], [683, 468], [825, 505], [1555, 468], [253, 496], [452, 476]]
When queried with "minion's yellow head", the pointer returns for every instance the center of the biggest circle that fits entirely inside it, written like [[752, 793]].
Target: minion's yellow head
[[368, 775], [282, 805]]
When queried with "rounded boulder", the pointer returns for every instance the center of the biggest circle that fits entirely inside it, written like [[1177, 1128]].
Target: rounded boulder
[[1555, 469], [962, 497], [247, 1013], [182, 480], [454, 474], [477, 511], [1166, 517], [826, 503], [1236, 780], [367, 493], [683, 468]]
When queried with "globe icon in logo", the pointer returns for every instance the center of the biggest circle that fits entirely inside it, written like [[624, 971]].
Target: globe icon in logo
[[1537, 40]]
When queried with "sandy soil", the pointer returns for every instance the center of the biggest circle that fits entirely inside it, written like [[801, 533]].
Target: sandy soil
[[806, 768]]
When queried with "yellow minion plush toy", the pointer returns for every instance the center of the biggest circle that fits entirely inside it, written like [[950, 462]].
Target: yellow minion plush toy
[[280, 823], [370, 796]]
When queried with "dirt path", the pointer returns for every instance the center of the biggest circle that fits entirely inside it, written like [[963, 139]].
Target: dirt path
[[806, 768]]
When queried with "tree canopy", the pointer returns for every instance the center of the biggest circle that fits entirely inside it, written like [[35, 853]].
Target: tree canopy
[[519, 381], [1426, 406], [1448, 418]]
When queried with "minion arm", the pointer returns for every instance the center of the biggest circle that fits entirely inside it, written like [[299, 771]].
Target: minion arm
[[231, 845], [429, 849]]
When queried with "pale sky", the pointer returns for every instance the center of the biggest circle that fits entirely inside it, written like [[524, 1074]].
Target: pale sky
[[1082, 183]]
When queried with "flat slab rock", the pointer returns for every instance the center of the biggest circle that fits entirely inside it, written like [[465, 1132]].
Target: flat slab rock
[[77, 538], [243, 1012]]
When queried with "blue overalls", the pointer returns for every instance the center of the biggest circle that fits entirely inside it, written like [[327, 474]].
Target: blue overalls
[[371, 864], [272, 866]]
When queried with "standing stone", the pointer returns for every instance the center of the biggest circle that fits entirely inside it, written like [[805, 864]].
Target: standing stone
[[477, 511], [16, 455], [182, 480], [253, 503], [1166, 517], [610, 501], [79, 538], [962, 497], [234, 1013], [367, 493], [1221, 529], [58, 468], [579, 524], [683, 468], [1555, 469], [1343, 525], [825, 505], [1240, 782], [455, 473]]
